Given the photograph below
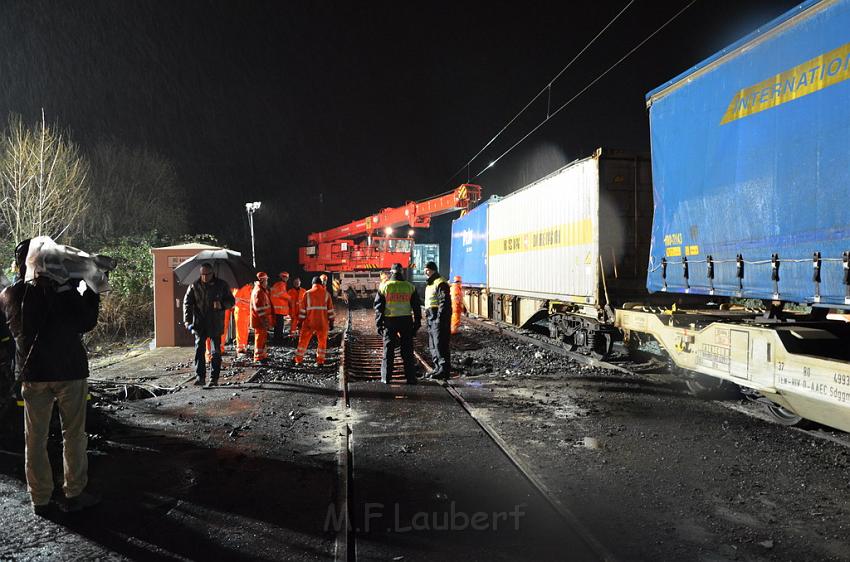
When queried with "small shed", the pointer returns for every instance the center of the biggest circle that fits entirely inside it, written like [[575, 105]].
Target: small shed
[[168, 294]]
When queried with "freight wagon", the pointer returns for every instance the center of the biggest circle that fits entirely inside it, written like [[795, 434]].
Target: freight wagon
[[749, 160], [750, 175], [571, 246], [469, 257]]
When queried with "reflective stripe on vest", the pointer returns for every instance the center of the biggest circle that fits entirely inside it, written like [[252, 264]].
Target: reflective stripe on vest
[[431, 292], [397, 295]]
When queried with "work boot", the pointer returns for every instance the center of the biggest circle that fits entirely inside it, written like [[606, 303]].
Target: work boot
[[81, 502], [213, 382], [42, 510], [199, 381], [438, 375]]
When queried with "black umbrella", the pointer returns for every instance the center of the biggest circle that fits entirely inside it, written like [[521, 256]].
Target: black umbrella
[[227, 265]]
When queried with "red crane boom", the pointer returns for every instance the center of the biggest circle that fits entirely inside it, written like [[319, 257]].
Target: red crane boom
[[337, 250]]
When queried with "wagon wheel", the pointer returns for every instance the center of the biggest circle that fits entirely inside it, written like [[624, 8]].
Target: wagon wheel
[[602, 345], [712, 388], [784, 416]]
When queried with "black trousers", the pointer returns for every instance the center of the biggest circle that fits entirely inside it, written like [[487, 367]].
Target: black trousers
[[438, 342], [398, 332], [278, 328], [200, 359]]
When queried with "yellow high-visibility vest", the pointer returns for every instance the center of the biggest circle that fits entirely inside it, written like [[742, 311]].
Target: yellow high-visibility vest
[[397, 296], [431, 292]]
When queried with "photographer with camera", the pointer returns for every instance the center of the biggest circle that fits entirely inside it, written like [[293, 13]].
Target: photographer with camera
[[46, 319]]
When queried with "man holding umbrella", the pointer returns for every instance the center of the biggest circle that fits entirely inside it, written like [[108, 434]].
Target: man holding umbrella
[[203, 314]]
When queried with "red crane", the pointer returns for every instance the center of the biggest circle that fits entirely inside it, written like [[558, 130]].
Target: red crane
[[352, 246]]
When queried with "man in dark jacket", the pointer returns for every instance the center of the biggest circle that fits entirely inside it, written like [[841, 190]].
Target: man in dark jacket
[[398, 315], [203, 315], [438, 313], [46, 320]]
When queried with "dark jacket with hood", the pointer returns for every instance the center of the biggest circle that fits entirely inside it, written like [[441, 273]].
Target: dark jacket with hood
[[46, 320], [198, 313], [442, 313]]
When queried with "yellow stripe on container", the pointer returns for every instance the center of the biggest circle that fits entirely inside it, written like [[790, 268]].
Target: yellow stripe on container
[[576, 233]]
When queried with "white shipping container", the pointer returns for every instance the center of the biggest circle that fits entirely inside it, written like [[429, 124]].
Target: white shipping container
[[545, 240]]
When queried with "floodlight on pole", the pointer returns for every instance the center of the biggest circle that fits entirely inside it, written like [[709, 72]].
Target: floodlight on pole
[[252, 208]]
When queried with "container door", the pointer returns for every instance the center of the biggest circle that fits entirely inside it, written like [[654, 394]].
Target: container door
[[761, 361], [739, 361]]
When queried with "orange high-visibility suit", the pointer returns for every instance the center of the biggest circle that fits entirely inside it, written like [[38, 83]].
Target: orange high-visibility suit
[[280, 302], [242, 316], [316, 317], [457, 304], [262, 316], [280, 298], [296, 297]]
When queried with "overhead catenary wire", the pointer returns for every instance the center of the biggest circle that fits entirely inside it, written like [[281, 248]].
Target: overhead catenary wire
[[546, 89], [576, 96]]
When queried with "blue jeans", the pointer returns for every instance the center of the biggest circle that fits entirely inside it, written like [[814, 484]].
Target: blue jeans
[[200, 359]]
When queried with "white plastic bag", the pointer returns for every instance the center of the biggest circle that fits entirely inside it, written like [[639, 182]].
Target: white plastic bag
[[62, 263]]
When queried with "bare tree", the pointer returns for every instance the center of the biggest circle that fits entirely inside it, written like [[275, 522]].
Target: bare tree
[[43, 187], [134, 191]]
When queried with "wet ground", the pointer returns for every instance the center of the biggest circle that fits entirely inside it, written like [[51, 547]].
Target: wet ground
[[428, 483], [244, 471], [251, 470], [653, 472]]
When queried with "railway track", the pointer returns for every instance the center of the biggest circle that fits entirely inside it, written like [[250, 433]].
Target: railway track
[[360, 360]]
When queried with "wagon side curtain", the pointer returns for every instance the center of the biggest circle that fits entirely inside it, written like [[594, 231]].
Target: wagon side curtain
[[751, 156], [469, 248]]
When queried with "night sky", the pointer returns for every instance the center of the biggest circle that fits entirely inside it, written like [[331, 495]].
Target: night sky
[[367, 103]]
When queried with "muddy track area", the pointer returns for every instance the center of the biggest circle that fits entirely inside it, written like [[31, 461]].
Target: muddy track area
[[652, 471], [243, 471], [250, 470]]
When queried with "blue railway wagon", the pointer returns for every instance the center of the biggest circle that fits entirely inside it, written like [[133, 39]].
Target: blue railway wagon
[[750, 153], [469, 247]]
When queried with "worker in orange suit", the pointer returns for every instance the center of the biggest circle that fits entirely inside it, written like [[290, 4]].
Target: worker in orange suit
[[458, 307], [262, 315], [296, 295], [330, 287], [242, 316], [316, 317], [280, 302]]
